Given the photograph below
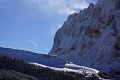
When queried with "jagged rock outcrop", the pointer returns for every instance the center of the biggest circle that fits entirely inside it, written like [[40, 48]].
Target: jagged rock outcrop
[[92, 36]]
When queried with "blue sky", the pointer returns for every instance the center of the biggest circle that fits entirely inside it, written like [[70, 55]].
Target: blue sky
[[31, 24]]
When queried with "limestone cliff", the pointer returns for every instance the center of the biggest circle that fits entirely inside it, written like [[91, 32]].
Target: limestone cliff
[[92, 36]]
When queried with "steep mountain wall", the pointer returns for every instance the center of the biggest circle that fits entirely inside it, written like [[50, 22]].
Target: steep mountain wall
[[92, 36]]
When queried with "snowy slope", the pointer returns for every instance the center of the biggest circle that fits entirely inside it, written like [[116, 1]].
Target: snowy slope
[[91, 37], [48, 60], [70, 67]]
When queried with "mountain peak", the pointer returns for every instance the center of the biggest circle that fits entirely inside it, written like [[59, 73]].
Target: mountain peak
[[91, 37]]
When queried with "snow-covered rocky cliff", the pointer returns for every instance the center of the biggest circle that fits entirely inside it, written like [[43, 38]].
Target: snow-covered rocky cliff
[[91, 37]]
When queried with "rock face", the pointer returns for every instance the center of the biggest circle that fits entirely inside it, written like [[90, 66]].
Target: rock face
[[91, 37]]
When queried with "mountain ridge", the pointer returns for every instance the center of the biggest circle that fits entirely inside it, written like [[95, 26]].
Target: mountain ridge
[[48, 60]]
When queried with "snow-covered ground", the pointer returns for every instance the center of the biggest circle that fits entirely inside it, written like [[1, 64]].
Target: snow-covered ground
[[70, 67], [48, 60]]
